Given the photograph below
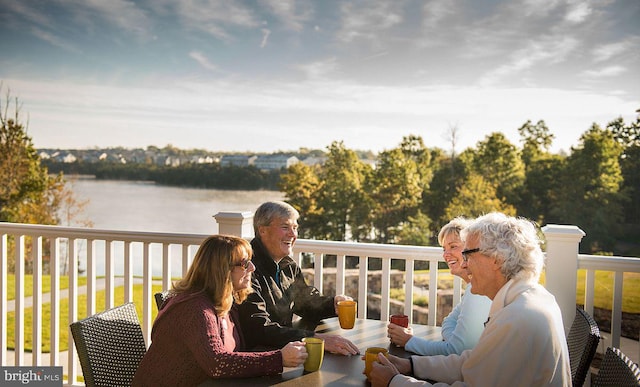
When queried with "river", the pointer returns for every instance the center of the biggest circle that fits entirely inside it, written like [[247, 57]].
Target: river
[[144, 206]]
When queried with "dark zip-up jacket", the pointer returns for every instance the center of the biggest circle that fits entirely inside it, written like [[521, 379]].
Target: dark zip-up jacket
[[267, 314]]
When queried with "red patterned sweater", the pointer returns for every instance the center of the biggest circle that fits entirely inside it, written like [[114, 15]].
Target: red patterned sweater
[[190, 343]]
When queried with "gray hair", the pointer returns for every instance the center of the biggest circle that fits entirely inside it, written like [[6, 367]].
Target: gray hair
[[452, 228], [514, 242], [268, 211]]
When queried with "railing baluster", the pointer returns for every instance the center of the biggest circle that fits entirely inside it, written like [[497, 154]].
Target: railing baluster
[[363, 287], [385, 285], [91, 278], [54, 292], [616, 309], [318, 263], [4, 276], [19, 301], [128, 272], [36, 297], [408, 288], [147, 297], [109, 275], [340, 274], [73, 306], [433, 292]]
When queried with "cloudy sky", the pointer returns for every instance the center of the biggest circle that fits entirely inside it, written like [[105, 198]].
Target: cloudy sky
[[269, 75]]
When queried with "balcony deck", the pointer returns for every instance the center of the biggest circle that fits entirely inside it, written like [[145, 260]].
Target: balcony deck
[[145, 256]]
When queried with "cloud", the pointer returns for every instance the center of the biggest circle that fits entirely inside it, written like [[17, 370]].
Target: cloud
[[547, 50], [606, 52], [215, 17], [202, 60], [578, 12], [368, 20], [286, 12], [265, 37], [605, 72], [123, 14], [54, 40]]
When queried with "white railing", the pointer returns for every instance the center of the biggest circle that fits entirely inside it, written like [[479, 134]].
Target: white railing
[[144, 257]]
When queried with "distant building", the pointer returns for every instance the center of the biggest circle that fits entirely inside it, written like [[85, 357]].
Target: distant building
[[237, 160], [312, 160], [275, 162]]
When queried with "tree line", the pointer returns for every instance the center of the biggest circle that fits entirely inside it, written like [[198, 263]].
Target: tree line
[[414, 190]]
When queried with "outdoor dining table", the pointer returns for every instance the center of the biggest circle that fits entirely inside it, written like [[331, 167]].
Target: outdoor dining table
[[337, 370]]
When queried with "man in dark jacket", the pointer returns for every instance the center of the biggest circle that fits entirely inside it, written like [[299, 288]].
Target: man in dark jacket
[[280, 290]]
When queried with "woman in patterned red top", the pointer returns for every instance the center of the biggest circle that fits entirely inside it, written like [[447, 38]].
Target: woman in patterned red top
[[194, 336]]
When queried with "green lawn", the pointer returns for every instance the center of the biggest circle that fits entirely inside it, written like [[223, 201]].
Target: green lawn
[[64, 315]]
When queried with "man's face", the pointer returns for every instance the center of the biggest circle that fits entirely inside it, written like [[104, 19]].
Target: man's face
[[279, 237], [484, 271]]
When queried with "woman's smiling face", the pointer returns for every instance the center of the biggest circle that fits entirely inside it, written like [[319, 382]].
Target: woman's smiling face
[[452, 254]]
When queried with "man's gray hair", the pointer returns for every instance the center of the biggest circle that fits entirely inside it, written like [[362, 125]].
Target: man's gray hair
[[268, 211], [514, 242]]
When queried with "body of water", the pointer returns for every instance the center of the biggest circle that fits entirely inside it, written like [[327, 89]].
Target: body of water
[[144, 206]]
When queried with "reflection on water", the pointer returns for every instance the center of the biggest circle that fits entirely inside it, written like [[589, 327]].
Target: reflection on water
[[143, 206]]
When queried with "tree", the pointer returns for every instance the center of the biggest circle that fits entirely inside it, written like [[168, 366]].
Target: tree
[[27, 193], [590, 195], [476, 197], [302, 188], [343, 203], [628, 136], [542, 172], [499, 162], [401, 176]]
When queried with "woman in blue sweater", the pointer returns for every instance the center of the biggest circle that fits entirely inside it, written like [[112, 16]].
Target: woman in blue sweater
[[461, 329]]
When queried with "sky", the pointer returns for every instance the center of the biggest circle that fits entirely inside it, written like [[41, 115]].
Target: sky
[[280, 75]]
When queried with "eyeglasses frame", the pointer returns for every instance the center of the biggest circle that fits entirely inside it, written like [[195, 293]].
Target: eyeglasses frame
[[465, 253]]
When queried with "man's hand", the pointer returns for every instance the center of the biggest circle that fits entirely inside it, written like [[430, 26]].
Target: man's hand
[[382, 371], [399, 335], [339, 298], [338, 344]]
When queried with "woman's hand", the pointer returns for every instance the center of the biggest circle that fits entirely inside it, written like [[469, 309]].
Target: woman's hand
[[294, 354], [399, 335]]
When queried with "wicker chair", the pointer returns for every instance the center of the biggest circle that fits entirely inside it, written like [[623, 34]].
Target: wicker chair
[[110, 346], [582, 341], [161, 298], [616, 369]]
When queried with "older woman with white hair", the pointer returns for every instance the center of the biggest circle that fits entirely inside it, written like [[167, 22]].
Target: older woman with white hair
[[523, 342]]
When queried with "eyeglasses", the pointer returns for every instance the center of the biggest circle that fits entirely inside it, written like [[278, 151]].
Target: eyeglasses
[[245, 264], [466, 253]]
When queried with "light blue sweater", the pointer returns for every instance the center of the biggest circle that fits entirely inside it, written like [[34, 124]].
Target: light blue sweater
[[461, 329]]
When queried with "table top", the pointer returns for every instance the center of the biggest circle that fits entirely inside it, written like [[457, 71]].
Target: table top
[[337, 370]]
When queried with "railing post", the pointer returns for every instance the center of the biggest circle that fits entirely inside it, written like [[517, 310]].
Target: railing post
[[235, 223], [562, 267]]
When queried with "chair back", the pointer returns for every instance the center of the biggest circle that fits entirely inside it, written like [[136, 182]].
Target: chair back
[[582, 341], [161, 298], [616, 369], [110, 346]]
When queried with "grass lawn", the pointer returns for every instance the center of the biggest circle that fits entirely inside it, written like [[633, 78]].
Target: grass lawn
[[64, 317]]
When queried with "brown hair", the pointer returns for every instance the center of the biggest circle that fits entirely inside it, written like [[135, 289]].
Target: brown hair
[[210, 271]]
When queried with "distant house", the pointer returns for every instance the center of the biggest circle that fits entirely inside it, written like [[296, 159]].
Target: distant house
[[312, 160], [275, 162], [237, 160]]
